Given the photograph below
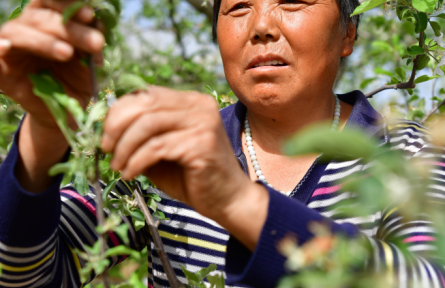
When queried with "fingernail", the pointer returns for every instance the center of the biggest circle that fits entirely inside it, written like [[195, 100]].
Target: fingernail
[[62, 50], [86, 14], [5, 45], [97, 40]]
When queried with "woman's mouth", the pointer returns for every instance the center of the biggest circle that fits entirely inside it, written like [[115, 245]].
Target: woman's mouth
[[270, 63]]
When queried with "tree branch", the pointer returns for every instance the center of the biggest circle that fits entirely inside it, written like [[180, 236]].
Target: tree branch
[[207, 9], [97, 187], [172, 279], [434, 110], [405, 85], [176, 28]]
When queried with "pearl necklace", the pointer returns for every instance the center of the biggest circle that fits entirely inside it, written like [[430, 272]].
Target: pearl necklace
[[252, 153]]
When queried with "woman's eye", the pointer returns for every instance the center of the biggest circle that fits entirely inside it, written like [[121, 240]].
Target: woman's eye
[[239, 6], [291, 1]]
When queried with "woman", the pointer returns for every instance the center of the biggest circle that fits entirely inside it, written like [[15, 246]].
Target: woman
[[280, 58]]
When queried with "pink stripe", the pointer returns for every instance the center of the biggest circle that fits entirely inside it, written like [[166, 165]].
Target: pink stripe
[[419, 238], [150, 286], [326, 190], [442, 279], [434, 163], [81, 199]]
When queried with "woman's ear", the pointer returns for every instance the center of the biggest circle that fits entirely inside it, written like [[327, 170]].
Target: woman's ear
[[349, 40]]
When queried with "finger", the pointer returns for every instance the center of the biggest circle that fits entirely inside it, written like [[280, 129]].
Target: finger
[[98, 59], [28, 39], [166, 147], [141, 131], [5, 46], [84, 15], [131, 107], [80, 36]]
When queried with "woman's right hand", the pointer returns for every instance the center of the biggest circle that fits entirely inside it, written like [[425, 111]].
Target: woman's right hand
[[38, 40]]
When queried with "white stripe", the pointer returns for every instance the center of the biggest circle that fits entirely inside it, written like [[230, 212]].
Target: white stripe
[[409, 139], [196, 228], [187, 213], [403, 275], [432, 273], [23, 260], [24, 250], [340, 175], [418, 229], [421, 248], [339, 165], [330, 202], [194, 255]]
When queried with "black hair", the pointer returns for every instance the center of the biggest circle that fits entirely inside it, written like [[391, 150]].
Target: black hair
[[346, 7]]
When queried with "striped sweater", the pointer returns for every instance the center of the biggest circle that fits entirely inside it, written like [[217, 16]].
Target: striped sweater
[[39, 233]]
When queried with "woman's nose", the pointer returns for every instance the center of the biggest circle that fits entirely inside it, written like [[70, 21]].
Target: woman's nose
[[263, 27]]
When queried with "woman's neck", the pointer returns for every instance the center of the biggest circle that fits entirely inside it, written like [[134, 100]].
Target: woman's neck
[[269, 131]]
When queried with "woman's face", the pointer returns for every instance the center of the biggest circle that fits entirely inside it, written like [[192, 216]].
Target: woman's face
[[277, 53]]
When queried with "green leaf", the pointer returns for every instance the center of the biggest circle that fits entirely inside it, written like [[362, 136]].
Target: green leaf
[[317, 139], [424, 78], [71, 10], [122, 250], [413, 98], [108, 189], [436, 27], [5, 103], [97, 112], [144, 181], [72, 105], [440, 16], [117, 5], [381, 71], [367, 5], [426, 6], [128, 83], [191, 277], [204, 272], [81, 183], [402, 74], [366, 82], [48, 88], [122, 232], [151, 203], [138, 225], [160, 215], [423, 61], [138, 215], [154, 196], [216, 281], [61, 168], [421, 21], [100, 266], [16, 13], [24, 4], [415, 50]]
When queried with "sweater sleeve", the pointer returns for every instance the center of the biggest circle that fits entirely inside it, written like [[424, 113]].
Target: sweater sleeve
[[39, 233], [265, 266]]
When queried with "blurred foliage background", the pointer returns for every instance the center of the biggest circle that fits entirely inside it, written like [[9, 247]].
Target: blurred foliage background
[[169, 43]]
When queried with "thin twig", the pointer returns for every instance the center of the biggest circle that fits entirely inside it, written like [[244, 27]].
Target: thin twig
[[405, 85], [176, 29], [434, 110], [97, 187], [171, 275]]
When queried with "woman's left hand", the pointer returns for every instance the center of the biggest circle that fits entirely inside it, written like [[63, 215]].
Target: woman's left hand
[[177, 139]]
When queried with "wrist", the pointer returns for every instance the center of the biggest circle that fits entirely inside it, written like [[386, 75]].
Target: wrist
[[40, 147], [246, 215]]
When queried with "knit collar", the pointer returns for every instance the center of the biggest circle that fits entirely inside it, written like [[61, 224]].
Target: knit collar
[[363, 117]]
